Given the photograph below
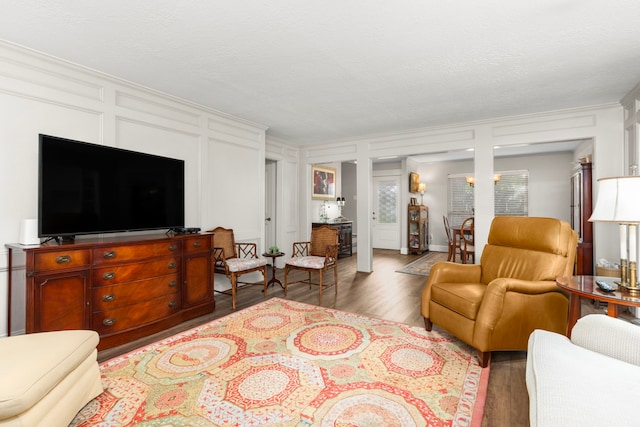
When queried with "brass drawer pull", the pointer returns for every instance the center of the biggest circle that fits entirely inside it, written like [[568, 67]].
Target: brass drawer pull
[[173, 247], [172, 265], [108, 297], [109, 254], [108, 276], [172, 284], [197, 244], [63, 259], [173, 304], [109, 322]]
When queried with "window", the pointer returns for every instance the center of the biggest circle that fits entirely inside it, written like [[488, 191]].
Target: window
[[511, 196]]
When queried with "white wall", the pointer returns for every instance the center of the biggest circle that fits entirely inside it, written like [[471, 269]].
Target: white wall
[[602, 124], [549, 187], [224, 156]]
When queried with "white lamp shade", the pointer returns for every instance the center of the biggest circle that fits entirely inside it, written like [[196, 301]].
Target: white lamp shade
[[618, 200]]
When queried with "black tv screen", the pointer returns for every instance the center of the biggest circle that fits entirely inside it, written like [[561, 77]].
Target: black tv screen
[[88, 189]]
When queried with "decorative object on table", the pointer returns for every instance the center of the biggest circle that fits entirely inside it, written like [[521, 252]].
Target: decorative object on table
[[324, 215], [618, 202], [274, 250], [414, 181], [323, 181], [421, 189], [235, 259], [495, 305], [340, 202], [413, 201], [270, 364]]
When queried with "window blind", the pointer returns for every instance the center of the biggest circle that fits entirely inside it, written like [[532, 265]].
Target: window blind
[[511, 196]]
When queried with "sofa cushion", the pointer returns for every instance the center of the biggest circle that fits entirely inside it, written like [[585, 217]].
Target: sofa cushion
[[572, 386], [32, 365], [316, 262], [242, 264]]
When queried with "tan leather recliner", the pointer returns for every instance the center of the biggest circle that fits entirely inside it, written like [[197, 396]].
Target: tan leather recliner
[[495, 305]]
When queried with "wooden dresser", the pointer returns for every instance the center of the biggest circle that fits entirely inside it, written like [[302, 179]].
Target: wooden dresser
[[123, 288]]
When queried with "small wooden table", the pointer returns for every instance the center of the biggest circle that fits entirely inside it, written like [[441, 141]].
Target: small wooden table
[[585, 286], [273, 257]]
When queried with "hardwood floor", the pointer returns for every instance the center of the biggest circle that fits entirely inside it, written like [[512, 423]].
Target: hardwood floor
[[385, 294]]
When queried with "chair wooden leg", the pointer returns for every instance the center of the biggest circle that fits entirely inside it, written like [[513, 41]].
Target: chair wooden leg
[[335, 278], [286, 279], [427, 324], [234, 289], [320, 285], [484, 357], [264, 278]]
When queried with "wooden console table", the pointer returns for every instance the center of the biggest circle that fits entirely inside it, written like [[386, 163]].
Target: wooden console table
[[123, 288]]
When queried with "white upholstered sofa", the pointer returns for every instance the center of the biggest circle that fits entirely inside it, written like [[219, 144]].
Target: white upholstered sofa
[[593, 379]]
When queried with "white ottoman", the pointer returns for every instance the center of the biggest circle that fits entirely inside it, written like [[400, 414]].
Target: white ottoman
[[46, 378]]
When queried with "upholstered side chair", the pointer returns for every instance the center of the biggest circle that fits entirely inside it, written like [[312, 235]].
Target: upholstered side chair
[[495, 305], [318, 255], [235, 259]]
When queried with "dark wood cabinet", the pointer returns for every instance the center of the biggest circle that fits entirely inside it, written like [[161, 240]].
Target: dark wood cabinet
[[345, 236], [123, 288], [418, 229], [581, 209]]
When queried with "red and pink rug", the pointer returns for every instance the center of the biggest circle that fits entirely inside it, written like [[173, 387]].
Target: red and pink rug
[[284, 363]]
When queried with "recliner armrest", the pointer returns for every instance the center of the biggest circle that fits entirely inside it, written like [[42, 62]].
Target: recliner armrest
[[445, 271], [609, 336]]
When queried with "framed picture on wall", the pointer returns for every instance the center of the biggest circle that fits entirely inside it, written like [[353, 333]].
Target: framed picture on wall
[[414, 181], [323, 180]]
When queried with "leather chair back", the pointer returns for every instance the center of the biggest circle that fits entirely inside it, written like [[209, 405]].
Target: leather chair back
[[528, 249]]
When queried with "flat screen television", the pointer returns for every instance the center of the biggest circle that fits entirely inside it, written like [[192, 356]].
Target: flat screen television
[[87, 188]]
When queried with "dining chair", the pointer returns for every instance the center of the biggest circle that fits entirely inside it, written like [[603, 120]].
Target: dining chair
[[453, 241], [467, 236]]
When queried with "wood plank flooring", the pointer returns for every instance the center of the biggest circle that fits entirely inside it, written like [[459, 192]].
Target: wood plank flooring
[[385, 294]]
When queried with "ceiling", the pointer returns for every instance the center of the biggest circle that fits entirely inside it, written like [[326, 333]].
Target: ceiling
[[318, 71]]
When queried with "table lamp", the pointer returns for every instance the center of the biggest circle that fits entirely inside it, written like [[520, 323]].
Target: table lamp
[[618, 202]]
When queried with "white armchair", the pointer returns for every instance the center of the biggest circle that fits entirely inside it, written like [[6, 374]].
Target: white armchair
[[593, 379]]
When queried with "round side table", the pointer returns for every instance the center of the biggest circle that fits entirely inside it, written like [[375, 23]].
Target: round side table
[[273, 257]]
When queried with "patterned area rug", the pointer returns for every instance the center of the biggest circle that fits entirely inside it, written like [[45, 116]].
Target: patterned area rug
[[283, 363], [423, 265]]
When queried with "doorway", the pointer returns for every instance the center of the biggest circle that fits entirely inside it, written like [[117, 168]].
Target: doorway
[[386, 212], [270, 211]]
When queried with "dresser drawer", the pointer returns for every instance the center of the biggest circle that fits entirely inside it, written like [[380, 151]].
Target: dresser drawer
[[197, 244], [57, 260], [115, 274], [136, 315], [127, 253], [110, 297]]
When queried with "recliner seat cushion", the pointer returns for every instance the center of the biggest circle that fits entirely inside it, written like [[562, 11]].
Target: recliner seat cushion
[[462, 298]]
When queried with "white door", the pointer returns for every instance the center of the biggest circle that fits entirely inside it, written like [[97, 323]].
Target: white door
[[270, 204], [386, 212]]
